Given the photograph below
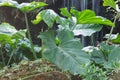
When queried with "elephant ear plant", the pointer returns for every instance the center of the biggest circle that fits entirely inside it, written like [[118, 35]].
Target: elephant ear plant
[[25, 8], [60, 46]]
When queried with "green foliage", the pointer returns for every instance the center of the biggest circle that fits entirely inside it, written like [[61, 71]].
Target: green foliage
[[89, 17], [101, 55], [5, 39], [114, 38], [106, 55], [89, 23], [6, 32], [86, 29], [21, 34], [49, 17], [94, 73], [9, 3], [9, 34], [110, 3], [66, 52], [114, 5], [24, 7], [65, 12], [27, 7], [60, 46], [7, 29], [37, 20], [15, 44]]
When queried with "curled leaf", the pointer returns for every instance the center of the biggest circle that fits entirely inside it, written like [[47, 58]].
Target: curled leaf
[[37, 20]]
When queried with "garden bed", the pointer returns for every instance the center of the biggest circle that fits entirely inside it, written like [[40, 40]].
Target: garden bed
[[32, 70]]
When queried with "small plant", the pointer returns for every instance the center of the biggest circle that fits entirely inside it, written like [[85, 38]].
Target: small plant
[[9, 41], [94, 73], [25, 8], [113, 4]]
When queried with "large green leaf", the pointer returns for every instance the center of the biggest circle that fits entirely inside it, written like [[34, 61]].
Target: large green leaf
[[9, 34], [49, 17], [6, 32], [98, 57], [7, 29], [89, 17], [9, 3], [101, 55], [86, 29], [5, 39], [110, 3], [115, 54], [26, 7], [75, 12], [113, 58], [64, 23], [67, 54]]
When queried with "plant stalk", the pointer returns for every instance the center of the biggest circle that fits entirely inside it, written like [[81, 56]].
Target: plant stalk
[[3, 59], [13, 52], [111, 31], [29, 36]]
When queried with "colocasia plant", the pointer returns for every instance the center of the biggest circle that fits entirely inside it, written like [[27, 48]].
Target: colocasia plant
[[61, 47]]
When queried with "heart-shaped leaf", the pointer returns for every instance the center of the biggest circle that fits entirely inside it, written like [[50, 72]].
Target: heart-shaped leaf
[[49, 17], [67, 54]]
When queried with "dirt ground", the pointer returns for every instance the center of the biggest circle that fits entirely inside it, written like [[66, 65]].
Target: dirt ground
[[35, 70]]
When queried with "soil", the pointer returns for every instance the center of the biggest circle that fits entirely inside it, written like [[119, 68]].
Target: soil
[[35, 70], [115, 75]]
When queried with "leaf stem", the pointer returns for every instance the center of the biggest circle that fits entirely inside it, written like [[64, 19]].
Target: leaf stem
[[3, 59], [111, 31], [12, 53], [29, 36]]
